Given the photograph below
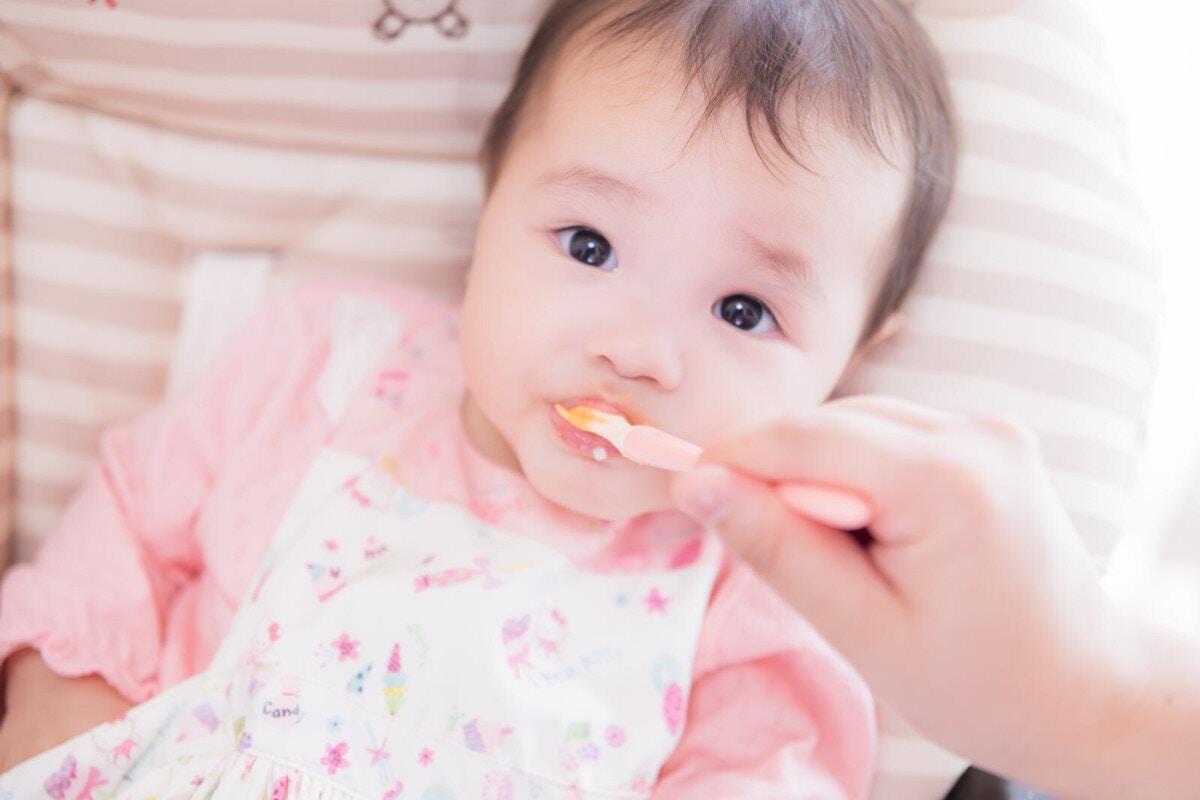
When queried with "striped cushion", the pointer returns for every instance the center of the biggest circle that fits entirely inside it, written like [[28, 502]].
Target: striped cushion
[[307, 73], [6, 338], [108, 217], [1039, 296], [158, 146]]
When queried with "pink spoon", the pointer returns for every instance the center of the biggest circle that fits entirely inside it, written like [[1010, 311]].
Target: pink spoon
[[643, 444]]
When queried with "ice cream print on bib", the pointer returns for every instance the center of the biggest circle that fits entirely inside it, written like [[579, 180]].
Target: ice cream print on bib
[[395, 643]]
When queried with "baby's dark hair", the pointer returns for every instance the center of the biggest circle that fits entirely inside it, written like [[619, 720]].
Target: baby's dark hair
[[869, 63]]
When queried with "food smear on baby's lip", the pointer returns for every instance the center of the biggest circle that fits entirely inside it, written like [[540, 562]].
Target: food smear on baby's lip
[[585, 418], [584, 429], [594, 419]]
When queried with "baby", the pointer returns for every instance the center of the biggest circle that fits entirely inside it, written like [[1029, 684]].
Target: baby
[[366, 556]]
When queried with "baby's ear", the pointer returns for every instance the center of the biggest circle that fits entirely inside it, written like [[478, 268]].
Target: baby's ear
[[886, 330]]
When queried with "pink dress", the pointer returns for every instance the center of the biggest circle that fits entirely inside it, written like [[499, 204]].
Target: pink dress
[[417, 602]]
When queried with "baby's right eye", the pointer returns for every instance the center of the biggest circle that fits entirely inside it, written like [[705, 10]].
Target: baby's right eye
[[587, 247]]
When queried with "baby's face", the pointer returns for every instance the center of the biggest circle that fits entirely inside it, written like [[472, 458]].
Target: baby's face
[[630, 260]]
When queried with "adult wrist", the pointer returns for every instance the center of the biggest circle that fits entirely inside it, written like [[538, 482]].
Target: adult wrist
[[1140, 715], [1153, 748]]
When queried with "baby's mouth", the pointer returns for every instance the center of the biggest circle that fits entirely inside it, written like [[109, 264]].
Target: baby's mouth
[[585, 442]]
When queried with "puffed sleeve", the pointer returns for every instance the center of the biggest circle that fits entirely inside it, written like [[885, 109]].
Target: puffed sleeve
[[775, 712], [96, 596]]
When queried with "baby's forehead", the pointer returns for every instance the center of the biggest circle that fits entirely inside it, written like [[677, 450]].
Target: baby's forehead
[[799, 129], [786, 119]]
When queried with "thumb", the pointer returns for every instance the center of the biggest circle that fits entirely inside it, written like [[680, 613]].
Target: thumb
[[824, 573]]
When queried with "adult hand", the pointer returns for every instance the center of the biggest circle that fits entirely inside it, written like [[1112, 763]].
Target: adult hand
[[973, 607], [44, 709]]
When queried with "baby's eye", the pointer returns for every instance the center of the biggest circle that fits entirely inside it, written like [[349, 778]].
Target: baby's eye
[[746, 313], [588, 247]]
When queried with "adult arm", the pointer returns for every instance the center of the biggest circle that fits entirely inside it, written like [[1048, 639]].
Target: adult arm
[[974, 609]]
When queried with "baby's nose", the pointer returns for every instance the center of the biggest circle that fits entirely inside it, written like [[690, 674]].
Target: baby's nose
[[639, 351]]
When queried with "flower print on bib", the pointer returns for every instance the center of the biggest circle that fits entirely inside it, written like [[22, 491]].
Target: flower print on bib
[[395, 647]]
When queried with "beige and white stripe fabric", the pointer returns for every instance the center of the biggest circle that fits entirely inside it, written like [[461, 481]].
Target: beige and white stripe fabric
[[1039, 298], [155, 144], [6, 339], [303, 73], [147, 135], [111, 215]]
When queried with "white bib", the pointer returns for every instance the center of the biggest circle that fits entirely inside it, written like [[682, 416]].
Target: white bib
[[396, 648]]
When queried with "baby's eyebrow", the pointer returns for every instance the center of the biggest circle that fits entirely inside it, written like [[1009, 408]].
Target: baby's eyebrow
[[584, 178], [791, 268]]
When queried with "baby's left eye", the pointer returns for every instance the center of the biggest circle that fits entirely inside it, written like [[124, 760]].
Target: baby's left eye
[[745, 313]]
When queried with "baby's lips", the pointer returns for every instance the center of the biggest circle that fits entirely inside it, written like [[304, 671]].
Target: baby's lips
[[581, 440]]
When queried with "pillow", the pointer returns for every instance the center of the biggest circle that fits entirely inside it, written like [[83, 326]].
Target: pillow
[[159, 148]]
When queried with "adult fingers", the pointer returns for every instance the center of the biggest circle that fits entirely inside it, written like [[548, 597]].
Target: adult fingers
[[812, 443], [895, 455], [856, 450], [822, 572]]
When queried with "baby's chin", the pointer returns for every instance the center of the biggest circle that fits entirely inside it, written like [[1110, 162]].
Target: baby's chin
[[605, 499]]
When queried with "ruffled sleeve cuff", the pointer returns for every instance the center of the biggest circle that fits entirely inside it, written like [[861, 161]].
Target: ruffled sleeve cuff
[[73, 636]]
